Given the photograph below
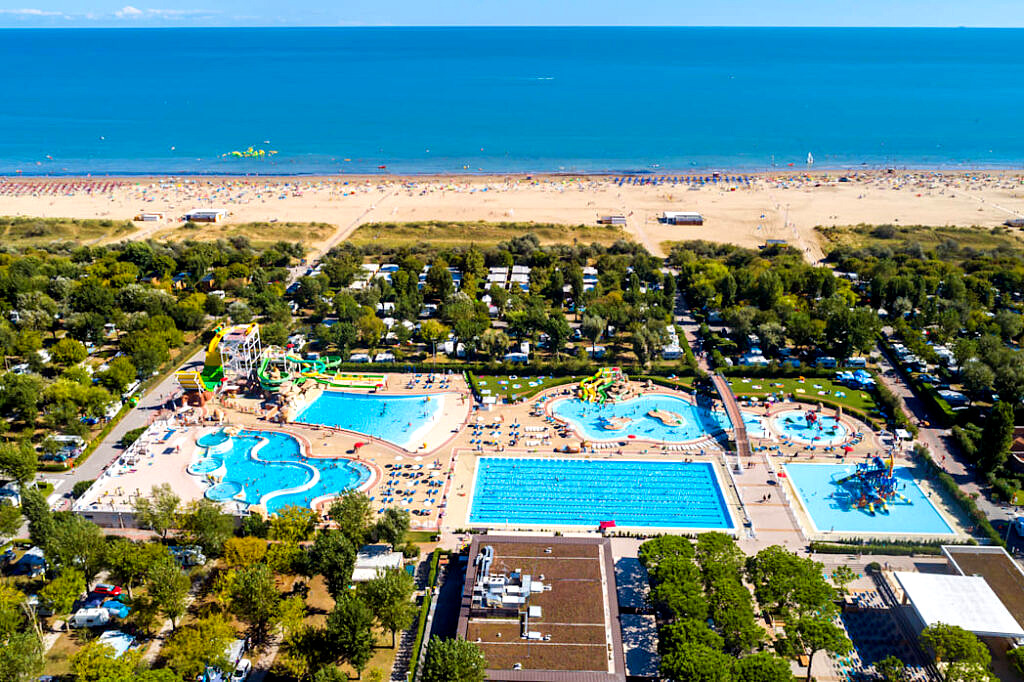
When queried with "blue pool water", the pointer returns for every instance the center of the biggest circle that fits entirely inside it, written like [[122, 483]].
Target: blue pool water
[[402, 420], [823, 501], [588, 419], [278, 467], [206, 465], [793, 424], [212, 440], [580, 492]]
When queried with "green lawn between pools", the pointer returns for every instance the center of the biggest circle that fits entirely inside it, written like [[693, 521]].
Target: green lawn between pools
[[806, 391], [509, 386]]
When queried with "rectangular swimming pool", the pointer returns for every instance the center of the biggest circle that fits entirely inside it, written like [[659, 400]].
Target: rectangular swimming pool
[[823, 501], [582, 492]]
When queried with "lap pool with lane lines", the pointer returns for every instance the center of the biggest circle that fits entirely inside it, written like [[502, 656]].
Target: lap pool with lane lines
[[579, 492]]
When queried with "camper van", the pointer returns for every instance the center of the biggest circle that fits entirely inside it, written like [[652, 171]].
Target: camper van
[[89, 618]]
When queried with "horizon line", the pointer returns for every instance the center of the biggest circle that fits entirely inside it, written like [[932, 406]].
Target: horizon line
[[517, 26]]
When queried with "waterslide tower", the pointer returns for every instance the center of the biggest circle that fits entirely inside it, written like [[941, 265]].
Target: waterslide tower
[[240, 350]]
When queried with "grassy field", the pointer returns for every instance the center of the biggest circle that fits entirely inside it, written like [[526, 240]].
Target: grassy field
[[441, 233], [260, 234], [806, 390], [507, 386], [20, 231], [895, 236]]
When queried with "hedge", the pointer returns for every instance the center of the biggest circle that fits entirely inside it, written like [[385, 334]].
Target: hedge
[[884, 548], [966, 502]]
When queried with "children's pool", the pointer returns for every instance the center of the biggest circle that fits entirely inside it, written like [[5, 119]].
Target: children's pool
[[277, 475], [580, 492], [402, 420], [820, 430], [590, 419], [830, 510]]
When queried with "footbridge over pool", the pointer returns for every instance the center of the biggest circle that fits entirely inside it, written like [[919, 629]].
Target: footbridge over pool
[[732, 409]]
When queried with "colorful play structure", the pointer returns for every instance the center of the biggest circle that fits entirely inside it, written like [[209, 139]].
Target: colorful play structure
[[277, 367], [233, 351], [595, 389], [871, 486]]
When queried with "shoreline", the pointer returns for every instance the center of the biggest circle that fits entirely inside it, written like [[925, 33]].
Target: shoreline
[[820, 171]]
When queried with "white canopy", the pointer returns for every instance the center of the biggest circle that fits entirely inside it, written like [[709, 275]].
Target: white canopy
[[962, 600]]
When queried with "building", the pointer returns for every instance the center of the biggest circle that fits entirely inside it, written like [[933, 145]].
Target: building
[[612, 220], [373, 558], [206, 215], [682, 218], [544, 609]]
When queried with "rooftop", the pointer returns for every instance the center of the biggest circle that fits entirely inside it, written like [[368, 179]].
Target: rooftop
[[574, 635], [998, 569], [964, 601]]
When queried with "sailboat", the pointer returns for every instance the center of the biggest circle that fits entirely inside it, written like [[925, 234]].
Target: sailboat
[[810, 159]]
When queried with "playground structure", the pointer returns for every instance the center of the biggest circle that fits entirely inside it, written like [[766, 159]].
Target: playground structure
[[232, 352], [277, 367], [871, 486], [595, 389]]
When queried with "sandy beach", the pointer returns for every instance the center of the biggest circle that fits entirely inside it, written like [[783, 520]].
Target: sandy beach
[[748, 212]]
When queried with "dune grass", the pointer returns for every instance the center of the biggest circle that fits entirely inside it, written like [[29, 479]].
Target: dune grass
[[481, 233], [928, 237], [259, 233], [24, 231]]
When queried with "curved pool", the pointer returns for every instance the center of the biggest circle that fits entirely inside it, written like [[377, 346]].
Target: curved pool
[[614, 421], [225, 490], [206, 465], [821, 430], [269, 468], [212, 440]]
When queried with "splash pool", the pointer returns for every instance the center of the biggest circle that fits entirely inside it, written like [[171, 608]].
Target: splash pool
[[206, 465], [581, 492], [830, 510], [630, 418], [402, 420], [268, 467], [823, 430]]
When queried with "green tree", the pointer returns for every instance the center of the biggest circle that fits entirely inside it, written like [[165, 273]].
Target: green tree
[[292, 524], [205, 524], [242, 552], [950, 643], [61, 593], [558, 331], [77, 543], [21, 657], [812, 634], [333, 556], [97, 662], [996, 437], [130, 562], [891, 669], [255, 599], [10, 520], [432, 332], [168, 586], [762, 667], [392, 526], [68, 352], [349, 631], [159, 511], [40, 518], [389, 595], [450, 660], [120, 372], [353, 513], [193, 647], [697, 663], [18, 462]]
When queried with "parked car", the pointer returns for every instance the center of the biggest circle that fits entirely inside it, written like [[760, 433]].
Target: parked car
[[107, 590], [242, 671]]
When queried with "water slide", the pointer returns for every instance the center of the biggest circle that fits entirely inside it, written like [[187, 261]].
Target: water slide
[[318, 370], [213, 368], [594, 389]]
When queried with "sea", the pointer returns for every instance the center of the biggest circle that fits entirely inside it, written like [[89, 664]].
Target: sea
[[507, 100]]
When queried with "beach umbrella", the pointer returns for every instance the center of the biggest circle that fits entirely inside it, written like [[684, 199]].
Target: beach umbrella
[[631, 436], [847, 448], [358, 445]]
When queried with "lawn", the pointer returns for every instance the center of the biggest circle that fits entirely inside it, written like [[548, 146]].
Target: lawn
[[259, 233], [481, 233], [510, 386], [22, 231], [808, 390]]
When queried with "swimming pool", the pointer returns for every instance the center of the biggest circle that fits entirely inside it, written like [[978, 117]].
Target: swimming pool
[[582, 492], [589, 419], [277, 476], [402, 420], [824, 430], [824, 502]]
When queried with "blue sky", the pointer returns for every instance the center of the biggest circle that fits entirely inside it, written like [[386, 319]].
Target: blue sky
[[118, 13]]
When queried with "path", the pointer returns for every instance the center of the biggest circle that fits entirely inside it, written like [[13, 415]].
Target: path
[[732, 408]]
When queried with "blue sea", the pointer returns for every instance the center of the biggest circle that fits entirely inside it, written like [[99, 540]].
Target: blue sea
[[423, 100]]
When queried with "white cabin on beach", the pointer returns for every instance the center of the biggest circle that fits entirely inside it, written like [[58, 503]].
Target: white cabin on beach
[[682, 218], [206, 215]]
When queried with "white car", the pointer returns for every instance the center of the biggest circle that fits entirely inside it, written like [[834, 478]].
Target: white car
[[241, 671]]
